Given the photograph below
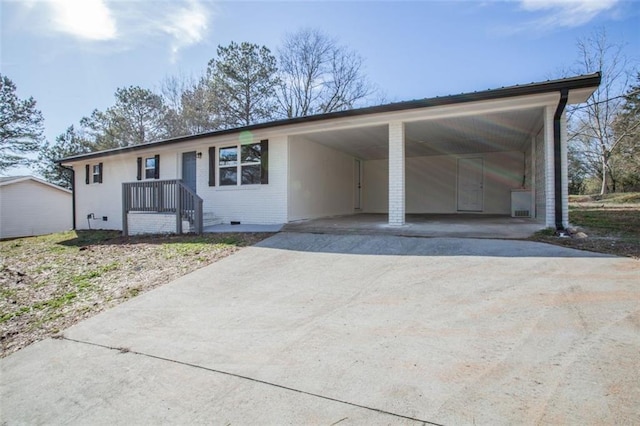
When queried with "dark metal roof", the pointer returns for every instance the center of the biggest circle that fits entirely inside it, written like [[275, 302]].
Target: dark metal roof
[[571, 83]]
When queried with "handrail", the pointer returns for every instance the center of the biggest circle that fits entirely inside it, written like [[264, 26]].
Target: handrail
[[162, 196]]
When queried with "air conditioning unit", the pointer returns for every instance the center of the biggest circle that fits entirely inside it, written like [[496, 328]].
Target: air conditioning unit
[[521, 203]]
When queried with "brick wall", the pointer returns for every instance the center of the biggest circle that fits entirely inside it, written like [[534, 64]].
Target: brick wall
[[154, 223], [396, 174]]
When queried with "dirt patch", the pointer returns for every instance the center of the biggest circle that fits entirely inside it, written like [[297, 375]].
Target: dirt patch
[[51, 282]]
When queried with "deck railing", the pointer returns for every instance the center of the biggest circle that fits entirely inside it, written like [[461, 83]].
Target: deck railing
[[162, 196]]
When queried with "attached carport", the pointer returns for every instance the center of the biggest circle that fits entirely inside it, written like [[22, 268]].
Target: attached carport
[[498, 152]]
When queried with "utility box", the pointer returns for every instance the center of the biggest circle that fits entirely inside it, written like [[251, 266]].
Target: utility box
[[520, 203]]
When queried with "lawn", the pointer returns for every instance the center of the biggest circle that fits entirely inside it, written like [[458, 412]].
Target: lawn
[[611, 224], [49, 283]]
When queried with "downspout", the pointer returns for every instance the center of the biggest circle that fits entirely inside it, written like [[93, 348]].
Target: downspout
[[557, 157], [73, 193]]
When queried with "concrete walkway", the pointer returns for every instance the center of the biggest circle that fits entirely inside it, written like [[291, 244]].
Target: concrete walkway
[[331, 329]]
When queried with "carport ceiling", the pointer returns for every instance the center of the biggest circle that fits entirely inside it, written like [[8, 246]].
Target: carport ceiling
[[504, 131]]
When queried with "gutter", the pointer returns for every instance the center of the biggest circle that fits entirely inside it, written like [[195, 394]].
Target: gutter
[[557, 157], [73, 192]]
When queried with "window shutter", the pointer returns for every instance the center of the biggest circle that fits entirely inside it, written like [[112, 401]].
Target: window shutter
[[100, 173], [157, 171], [212, 166], [264, 161], [87, 170], [139, 168]]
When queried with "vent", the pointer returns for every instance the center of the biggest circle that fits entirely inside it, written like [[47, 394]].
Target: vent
[[521, 213]]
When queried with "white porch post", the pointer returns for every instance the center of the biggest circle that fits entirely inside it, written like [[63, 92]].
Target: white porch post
[[396, 174], [549, 174]]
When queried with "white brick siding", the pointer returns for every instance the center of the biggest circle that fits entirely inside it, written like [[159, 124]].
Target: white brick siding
[[540, 186], [549, 175], [396, 174], [249, 204], [154, 223]]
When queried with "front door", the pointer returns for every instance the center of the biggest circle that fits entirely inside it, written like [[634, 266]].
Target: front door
[[189, 169], [470, 184]]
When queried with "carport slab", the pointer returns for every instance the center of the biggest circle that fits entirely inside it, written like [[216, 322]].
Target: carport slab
[[423, 225], [319, 329]]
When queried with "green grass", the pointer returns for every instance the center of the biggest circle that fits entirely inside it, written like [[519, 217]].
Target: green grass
[[50, 281], [616, 198], [611, 222], [623, 222]]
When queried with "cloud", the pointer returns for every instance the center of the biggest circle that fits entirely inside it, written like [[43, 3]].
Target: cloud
[[566, 13], [84, 19], [122, 24], [187, 25]]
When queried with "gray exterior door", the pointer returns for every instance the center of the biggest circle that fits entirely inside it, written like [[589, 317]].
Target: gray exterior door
[[189, 169]]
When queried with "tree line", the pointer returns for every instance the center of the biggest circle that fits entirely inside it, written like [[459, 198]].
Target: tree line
[[244, 84], [604, 132], [312, 73]]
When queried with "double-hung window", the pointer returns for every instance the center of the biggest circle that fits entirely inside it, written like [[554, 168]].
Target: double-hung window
[[93, 173], [248, 166], [97, 173], [149, 168], [228, 165]]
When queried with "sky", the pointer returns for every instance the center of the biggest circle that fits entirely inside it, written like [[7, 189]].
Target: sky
[[72, 55]]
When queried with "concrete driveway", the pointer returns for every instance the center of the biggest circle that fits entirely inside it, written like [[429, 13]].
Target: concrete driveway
[[335, 329]]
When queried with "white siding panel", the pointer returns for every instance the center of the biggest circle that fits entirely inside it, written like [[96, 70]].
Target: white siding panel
[[32, 208], [321, 181]]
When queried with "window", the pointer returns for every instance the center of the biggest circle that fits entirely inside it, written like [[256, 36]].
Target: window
[[149, 168], [251, 165], [239, 164], [97, 172], [93, 173], [228, 165]]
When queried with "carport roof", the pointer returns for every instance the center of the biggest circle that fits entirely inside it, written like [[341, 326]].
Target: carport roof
[[571, 83]]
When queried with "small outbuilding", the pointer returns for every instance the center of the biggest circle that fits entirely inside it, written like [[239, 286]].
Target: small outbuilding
[[31, 206]]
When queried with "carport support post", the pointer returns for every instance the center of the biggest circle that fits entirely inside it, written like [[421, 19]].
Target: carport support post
[[396, 174]]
